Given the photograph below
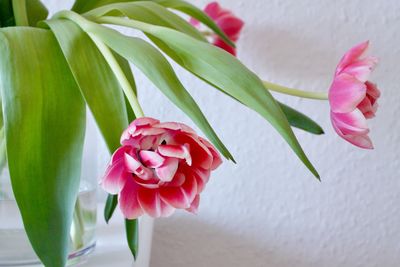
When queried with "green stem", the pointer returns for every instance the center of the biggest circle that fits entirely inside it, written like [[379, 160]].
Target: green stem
[[295, 92], [78, 227], [119, 74], [20, 14], [109, 57]]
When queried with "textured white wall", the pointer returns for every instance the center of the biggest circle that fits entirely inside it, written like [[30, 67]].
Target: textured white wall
[[268, 210]]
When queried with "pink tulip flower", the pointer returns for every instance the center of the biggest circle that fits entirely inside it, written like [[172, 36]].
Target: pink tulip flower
[[159, 168], [227, 21], [353, 99]]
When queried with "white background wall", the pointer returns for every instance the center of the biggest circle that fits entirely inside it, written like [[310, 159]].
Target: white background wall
[[268, 210]]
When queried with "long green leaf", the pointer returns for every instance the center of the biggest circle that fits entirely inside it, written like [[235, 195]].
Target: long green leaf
[[132, 235], [82, 6], [96, 80], [6, 14], [153, 64], [196, 13], [98, 85], [301, 121], [44, 117], [224, 72], [111, 205], [148, 12], [36, 11]]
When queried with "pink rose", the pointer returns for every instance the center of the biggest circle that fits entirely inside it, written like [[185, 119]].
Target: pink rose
[[353, 99], [160, 167], [227, 21]]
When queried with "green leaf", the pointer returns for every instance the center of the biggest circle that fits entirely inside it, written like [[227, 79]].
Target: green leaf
[[153, 64], [98, 84], [196, 13], [44, 117], [148, 12], [82, 6], [96, 80], [224, 72], [36, 11], [301, 121], [132, 235], [6, 13], [159, 71], [111, 205]]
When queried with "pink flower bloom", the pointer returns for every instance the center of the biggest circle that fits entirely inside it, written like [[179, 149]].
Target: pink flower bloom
[[160, 167], [227, 21], [353, 98]]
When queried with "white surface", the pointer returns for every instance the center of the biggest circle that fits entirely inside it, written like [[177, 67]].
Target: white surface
[[268, 210]]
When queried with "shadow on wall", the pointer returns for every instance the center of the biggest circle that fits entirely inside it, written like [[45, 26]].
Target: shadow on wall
[[185, 241]]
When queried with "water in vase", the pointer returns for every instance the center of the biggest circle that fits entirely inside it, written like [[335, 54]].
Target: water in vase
[[15, 249]]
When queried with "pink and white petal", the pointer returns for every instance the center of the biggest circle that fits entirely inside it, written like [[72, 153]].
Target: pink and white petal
[[362, 140], [150, 202], [143, 121], [148, 142], [166, 209], [231, 26], [190, 187], [175, 196], [133, 165], [201, 155], [217, 161], [176, 151], [149, 130], [151, 159], [372, 90], [167, 171], [114, 178], [346, 93], [119, 153], [128, 201], [366, 108], [177, 181], [128, 132], [194, 206], [350, 123], [175, 126], [361, 69], [213, 10], [352, 55]]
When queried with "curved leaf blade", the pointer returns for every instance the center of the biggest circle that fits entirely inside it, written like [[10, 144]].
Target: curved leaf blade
[[111, 205], [132, 236], [44, 118], [36, 11], [153, 64], [96, 80], [148, 12], [98, 85], [198, 14], [301, 121], [223, 71]]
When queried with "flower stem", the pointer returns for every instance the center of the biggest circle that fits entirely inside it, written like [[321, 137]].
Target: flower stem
[[295, 92], [119, 74], [20, 14], [77, 227]]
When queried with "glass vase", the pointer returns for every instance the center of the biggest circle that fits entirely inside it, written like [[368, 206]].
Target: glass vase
[[15, 249]]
